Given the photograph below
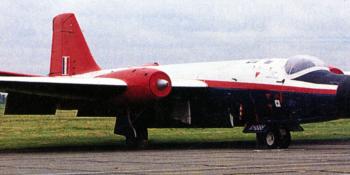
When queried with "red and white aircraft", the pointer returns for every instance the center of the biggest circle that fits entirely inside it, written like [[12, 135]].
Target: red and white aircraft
[[270, 97]]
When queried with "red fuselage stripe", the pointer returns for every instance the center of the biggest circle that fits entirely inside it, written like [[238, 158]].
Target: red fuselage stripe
[[268, 87]]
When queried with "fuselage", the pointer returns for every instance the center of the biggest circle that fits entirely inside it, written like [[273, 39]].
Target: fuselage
[[253, 90], [270, 71]]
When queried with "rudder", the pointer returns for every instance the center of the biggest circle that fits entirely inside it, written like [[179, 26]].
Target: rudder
[[70, 54]]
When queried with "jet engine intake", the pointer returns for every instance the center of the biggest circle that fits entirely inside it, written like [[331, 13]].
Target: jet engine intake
[[143, 84]]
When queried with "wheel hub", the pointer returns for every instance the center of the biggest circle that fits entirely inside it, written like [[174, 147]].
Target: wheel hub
[[270, 138]]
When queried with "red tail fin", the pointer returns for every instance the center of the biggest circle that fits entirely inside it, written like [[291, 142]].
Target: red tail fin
[[70, 54]]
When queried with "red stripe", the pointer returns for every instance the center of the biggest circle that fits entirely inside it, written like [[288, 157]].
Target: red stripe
[[254, 86]]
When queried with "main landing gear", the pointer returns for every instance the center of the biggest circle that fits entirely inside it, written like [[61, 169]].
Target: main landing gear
[[138, 139], [133, 125], [274, 138]]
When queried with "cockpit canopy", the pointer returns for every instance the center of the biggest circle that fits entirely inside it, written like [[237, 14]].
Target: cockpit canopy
[[301, 62]]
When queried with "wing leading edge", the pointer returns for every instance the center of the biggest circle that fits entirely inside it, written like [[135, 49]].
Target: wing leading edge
[[63, 87]]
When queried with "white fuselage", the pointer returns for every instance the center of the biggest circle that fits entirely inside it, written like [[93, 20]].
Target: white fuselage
[[269, 71]]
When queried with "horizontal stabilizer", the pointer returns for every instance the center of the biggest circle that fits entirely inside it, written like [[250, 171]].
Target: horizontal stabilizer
[[13, 74]]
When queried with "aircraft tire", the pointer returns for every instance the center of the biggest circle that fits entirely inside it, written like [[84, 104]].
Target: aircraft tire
[[140, 141], [285, 138], [260, 139], [271, 139], [135, 143], [131, 142]]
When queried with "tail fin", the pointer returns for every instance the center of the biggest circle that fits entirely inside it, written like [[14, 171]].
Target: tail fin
[[70, 54]]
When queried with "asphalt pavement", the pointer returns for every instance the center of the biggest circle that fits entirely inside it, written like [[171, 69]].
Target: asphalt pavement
[[303, 157]]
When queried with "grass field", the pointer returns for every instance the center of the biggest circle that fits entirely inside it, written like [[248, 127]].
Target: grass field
[[23, 132]]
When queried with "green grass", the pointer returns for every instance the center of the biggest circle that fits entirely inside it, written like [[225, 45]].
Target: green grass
[[23, 132]]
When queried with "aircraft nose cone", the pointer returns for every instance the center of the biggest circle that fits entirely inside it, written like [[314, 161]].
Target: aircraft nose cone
[[162, 84]]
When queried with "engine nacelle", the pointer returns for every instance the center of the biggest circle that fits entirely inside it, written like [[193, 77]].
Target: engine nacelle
[[143, 84]]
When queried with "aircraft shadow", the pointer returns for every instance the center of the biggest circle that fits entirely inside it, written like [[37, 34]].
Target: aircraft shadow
[[120, 146]]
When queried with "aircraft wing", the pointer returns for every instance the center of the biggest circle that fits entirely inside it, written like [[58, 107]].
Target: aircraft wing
[[43, 95], [76, 87], [188, 83], [63, 87]]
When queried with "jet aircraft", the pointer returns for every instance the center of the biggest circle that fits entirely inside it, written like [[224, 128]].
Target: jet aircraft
[[270, 97]]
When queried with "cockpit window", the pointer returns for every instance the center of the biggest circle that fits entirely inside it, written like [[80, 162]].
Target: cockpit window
[[298, 63]]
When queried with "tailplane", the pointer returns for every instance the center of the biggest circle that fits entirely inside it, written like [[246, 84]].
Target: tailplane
[[70, 54]]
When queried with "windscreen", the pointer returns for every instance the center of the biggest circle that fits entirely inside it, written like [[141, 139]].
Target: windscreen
[[302, 62]]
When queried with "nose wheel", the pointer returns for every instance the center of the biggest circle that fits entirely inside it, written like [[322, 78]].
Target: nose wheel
[[274, 138]]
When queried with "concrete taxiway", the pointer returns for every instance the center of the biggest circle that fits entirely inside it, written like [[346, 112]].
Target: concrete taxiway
[[303, 157]]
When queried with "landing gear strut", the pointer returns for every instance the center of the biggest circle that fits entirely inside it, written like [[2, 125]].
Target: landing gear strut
[[137, 140], [274, 138], [133, 125]]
